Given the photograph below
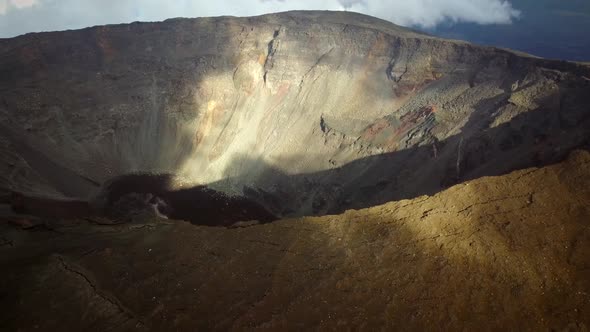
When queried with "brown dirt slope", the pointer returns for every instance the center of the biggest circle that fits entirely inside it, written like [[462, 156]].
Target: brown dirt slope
[[507, 252]]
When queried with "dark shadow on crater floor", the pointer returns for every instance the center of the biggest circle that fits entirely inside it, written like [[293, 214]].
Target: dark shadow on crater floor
[[199, 205]]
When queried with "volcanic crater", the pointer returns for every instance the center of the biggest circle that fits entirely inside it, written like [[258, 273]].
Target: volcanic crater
[[274, 116], [366, 172]]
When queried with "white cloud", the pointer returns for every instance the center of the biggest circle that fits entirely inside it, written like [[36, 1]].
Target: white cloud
[[20, 4], [21, 16], [429, 13], [5, 5], [349, 3]]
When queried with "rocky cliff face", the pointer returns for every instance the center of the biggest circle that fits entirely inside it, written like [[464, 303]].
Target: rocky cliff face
[[304, 112]]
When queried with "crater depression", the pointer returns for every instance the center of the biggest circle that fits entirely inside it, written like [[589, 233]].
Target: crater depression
[[271, 116]]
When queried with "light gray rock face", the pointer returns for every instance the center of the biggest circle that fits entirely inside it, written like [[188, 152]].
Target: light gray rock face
[[305, 112]]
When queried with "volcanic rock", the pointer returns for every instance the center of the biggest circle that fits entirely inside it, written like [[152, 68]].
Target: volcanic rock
[[497, 253], [420, 182], [305, 113]]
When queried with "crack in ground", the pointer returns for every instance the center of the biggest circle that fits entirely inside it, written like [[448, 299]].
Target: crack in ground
[[6, 242], [95, 289], [265, 242], [527, 195]]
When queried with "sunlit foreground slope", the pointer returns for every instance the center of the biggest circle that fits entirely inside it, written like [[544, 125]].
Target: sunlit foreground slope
[[508, 252]]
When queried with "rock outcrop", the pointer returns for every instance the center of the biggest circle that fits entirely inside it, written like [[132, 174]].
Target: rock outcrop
[[306, 113]]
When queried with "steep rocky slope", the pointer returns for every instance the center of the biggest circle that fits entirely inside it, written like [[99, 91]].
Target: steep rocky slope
[[497, 253], [302, 112]]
